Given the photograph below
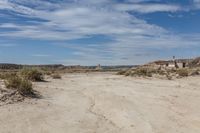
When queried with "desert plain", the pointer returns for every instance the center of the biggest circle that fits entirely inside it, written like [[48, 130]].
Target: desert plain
[[106, 103]]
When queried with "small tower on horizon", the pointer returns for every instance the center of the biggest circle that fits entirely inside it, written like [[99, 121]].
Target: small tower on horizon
[[174, 57], [98, 67]]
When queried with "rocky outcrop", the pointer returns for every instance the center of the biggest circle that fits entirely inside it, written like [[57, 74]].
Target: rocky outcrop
[[195, 62]]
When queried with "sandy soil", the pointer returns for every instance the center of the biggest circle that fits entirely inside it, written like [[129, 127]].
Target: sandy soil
[[107, 103]]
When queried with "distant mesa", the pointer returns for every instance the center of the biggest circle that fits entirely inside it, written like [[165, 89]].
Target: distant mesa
[[7, 66], [19, 66]]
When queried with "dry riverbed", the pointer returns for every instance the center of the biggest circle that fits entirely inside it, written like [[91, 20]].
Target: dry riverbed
[[107, 103]]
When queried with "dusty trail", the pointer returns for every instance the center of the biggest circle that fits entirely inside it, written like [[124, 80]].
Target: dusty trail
[[107, 103]]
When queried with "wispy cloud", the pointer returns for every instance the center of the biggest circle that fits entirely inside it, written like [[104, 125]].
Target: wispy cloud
[[41, 55], [7, 45], [63, 21], [76, 21], [6, 5], [197, 3], [148, 8]]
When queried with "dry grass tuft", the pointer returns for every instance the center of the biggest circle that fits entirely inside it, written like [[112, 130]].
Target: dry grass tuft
[[32, 74], [23, 86], [6, 75], [121, 72], [183, 72], [161, 72], [56, 76]]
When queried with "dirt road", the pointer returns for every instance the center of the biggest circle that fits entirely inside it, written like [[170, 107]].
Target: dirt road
[[107, 103]]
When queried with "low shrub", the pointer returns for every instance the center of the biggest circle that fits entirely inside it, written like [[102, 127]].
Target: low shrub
[[168, 73], [183, 72], [56, 76], [194, 72], [7, 75], [12, 82], [23, 86], [169, 77], [1, 76], [26, 87], [121, 72], [48, 73], [32, 74], [127, 73], [161, 72], [143, 72]]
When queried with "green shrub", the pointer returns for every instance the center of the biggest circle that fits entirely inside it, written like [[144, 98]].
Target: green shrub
[[183, 72], [23, 86], [32, 74], [56, 76]]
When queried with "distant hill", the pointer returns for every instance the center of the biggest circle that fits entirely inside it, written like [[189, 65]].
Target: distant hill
[[7, 66], [19, 66]]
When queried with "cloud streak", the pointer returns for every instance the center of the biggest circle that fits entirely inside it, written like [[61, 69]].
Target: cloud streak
[[77, 21], [64, 21], [148, 8]]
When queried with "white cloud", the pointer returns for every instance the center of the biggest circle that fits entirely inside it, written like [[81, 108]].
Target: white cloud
[[5, 4], [197, 3], [79, 21], [148, 8], [65, 21], [41, 55], [139, 1]]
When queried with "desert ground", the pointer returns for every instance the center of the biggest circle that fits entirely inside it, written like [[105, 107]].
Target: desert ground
[[107, 103]]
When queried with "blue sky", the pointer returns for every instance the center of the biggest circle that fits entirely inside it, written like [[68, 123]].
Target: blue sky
[[91, 32]]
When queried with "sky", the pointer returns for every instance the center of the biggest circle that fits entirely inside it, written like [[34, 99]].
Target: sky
[[91, 32]]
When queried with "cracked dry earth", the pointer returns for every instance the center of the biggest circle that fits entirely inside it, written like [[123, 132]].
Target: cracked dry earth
[[107, 103]]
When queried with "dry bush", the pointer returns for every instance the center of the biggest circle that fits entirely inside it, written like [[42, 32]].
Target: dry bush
[[26, 87], [169, 77], [183, 72], [121, 72], [161, 72], [56, 76], [1, 76], [6, 75], [32, 74], [48, 73], [12, 82], [143, 72], [128, 73], [194, 73], [23, 86], [138, 72]]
